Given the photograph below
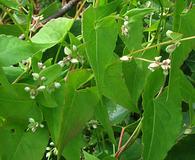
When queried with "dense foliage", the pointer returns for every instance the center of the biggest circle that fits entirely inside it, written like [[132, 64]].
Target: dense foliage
[[104, 79]]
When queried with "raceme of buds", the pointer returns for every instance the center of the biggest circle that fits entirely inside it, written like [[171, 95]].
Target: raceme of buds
[[51, 150], [165, 65], [125, 27], [33, 125]]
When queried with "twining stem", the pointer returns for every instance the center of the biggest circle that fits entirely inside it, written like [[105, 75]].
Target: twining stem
[[161, 44], [131, 139], [121, 138]]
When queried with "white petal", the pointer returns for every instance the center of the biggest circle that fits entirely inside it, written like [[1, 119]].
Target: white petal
[[31, 120], [57, 85], [74, 60], [35, 76], [48, 154], [61, 63], [51, 144], [41, 88], [67, 51], [158, 58], [74, 48], [168, 33], [153, 65], [41, 125], [124, 58]]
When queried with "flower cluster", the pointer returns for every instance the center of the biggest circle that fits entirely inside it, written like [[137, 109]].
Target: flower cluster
[[51, 150], [34, 91], [36, 22], [69, 57], [125, 27], [33, 125], [165, 65]]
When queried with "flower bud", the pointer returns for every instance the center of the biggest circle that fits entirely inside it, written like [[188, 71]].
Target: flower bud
[[41, 88], [57, 85], [35, 76], [74, 60], [67, 51], [27, 89], [74, 48], [171, 48]]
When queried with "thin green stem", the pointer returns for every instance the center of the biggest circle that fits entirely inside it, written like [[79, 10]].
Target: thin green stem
[[161, 44], [131, 139], [19, 77], [58, 52]]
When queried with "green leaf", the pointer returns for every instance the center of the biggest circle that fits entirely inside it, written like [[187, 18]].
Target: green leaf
[[14, 50], [17, 144], [184, 149], [89, 156], [135, 28], [51, 73], [162, 117], [94, 36], [115, 84], [101, 114], [72, 150], [135, 74], [53, 32], [67, 120], [10, 3], [10, 30]]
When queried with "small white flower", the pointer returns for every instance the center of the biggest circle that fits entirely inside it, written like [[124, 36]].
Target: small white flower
[[153, 66], [27, 89], [31, 120], [48, 148], [168, 33], [35, 76], [51, 144], [41, 88], [43, 78], [32, 97], [48, 154], [67, 51], [74, 60], [41, 65], [188, 131], [57, 85], [74, 48], [166, 64], [61, 63], [124, 30], [32, 125], [55, 151], [125, 58], [126, 23]]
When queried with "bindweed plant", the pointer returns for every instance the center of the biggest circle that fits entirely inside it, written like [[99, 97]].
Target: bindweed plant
[[97, 80]]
